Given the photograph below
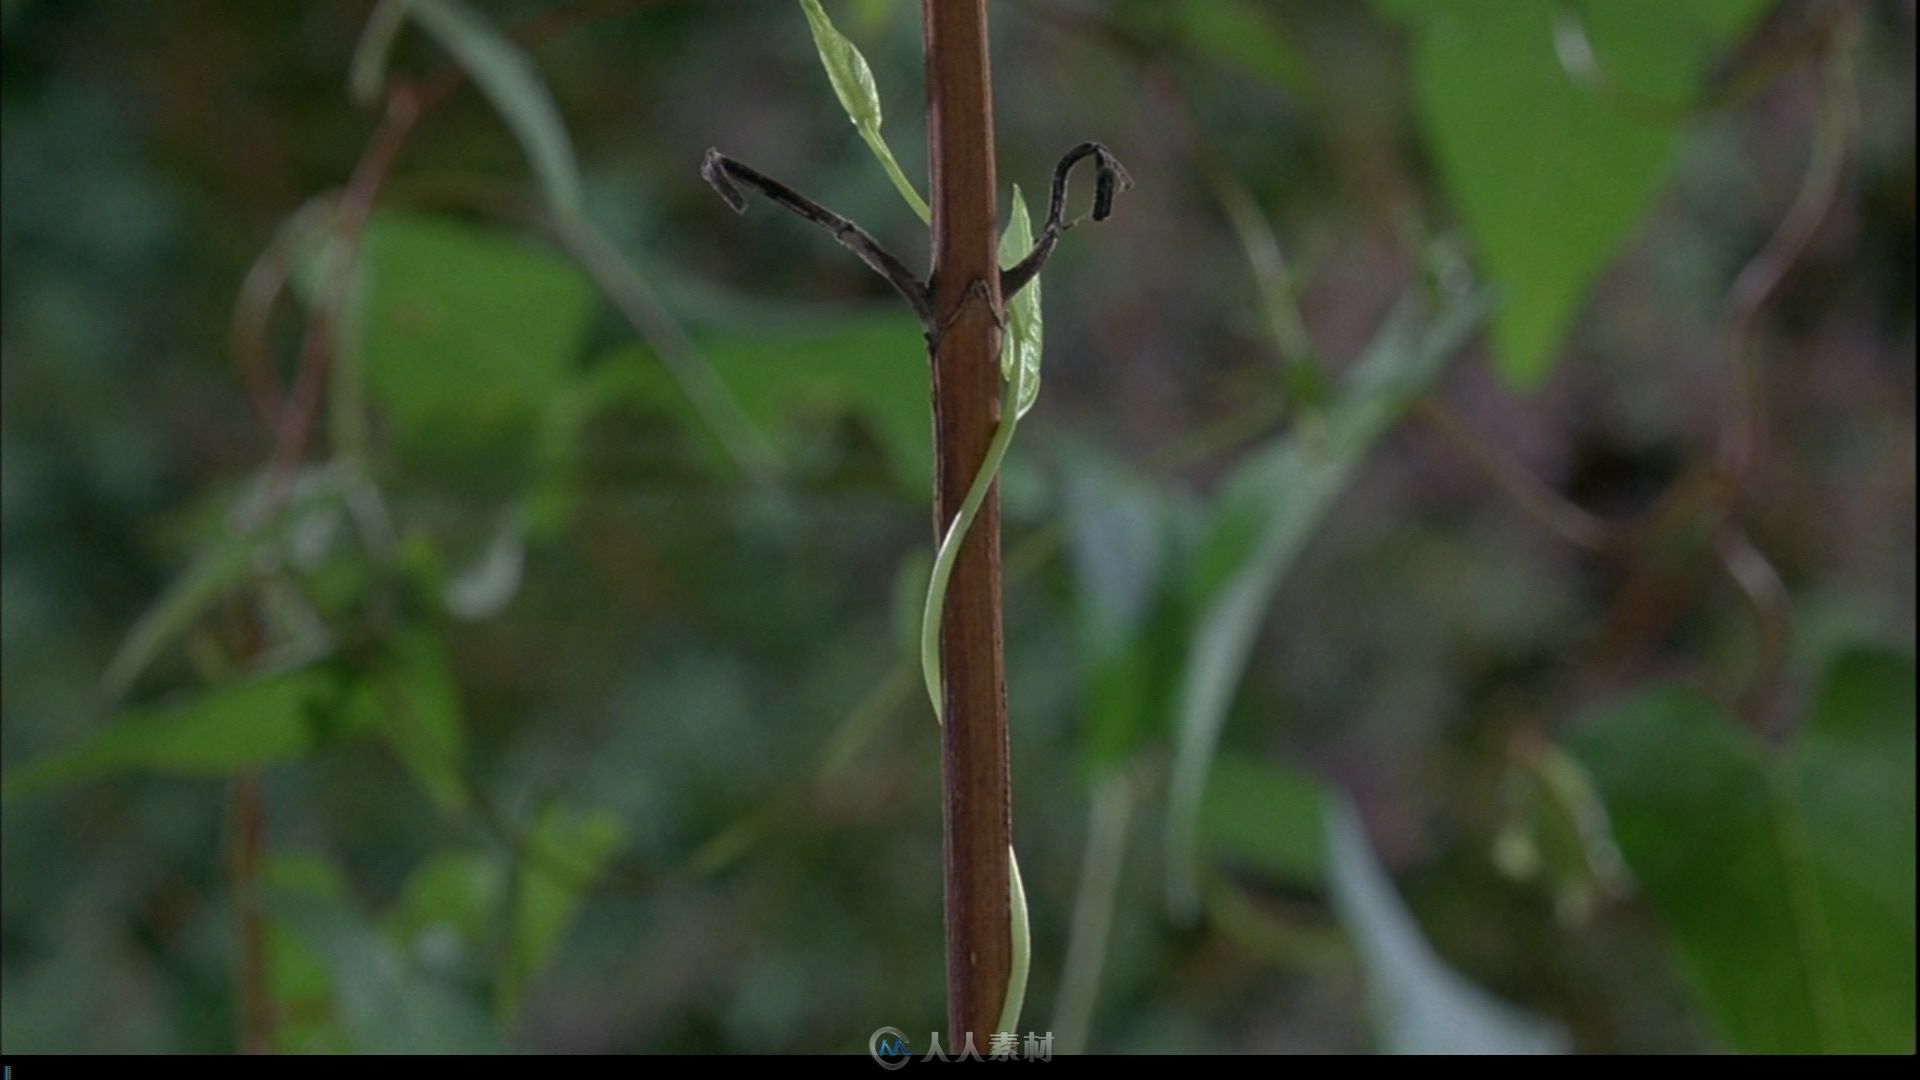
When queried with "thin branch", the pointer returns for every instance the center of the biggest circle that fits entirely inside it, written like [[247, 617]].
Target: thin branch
[[316, 348], [265, 281], [722, 173], [1760, 279], [1110, 178], [1560, 515], [1772, 609], [248, 848]]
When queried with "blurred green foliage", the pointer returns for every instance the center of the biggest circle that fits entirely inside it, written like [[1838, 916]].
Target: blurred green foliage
[[563, 725]]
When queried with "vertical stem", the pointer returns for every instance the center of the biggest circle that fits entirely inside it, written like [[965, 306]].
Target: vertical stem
[[966, 409], [247, 817]]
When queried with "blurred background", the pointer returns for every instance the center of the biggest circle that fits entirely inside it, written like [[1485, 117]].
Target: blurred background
[[461, 582]]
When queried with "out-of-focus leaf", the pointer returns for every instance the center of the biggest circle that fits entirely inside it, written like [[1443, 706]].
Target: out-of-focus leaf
[[853, 84], [213, 573], [469, 329], [240, 725], [1420, 1005], [1548, 177], [1241, 34], [298, 981], [221, 566], [1784, 879], [1118, 544], [794, 381], [1268, 817], [1020, 349], [563, 853], [508, 78], [384, 1001], [1264, 514], [451, 901], [422, 720]]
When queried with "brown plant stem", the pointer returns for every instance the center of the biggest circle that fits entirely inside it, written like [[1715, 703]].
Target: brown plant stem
[[246, 817], [966, 409]]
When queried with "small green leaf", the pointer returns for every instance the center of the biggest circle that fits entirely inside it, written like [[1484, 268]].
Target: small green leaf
[[1020, 351], [504, 74], [847, 70], [241, 725], [853, 84], [563, 852]]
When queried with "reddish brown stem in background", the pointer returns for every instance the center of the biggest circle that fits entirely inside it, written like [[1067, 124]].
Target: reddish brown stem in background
[[316, 348], [966, 409], [255, 1002]]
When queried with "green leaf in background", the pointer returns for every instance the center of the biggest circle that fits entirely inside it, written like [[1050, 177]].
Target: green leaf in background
[[421, 718], [469, 328], [1785, 879], [222, 565], [791, 381], [1265, 512], [1020, 351], [1549, 179], [1241, 34], [1268, 817], [300, 985], [853, 84], [512, 85], [1119, 543], [385, 1000], [562, 853], [452, 900], [1420, 1005], [1244, 35], [235, 726]]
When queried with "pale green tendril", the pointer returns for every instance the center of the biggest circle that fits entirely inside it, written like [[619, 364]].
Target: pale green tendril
[[1020, 370]]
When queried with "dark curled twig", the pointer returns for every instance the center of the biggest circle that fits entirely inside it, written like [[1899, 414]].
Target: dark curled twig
[[724, 175], [722, 172], [1110, 178]]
